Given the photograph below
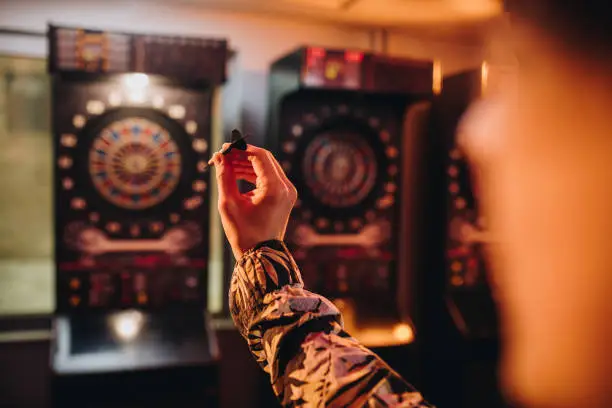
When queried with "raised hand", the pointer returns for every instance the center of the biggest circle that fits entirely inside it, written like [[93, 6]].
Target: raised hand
[[261, 214]]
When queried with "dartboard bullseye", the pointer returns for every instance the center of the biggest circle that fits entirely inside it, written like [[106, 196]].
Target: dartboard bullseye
[[340, 169], [134, 163]]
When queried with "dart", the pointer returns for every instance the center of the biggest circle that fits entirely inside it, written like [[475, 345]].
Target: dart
[[237, 142]]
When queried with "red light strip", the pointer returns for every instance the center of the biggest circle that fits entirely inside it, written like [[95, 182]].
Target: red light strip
[[353, 56]]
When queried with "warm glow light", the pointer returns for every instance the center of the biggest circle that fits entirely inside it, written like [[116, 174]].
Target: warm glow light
[[135, 86], [353, 56], [484, 77], [332, 70], [437, 77], [127, 325], [383, 335], [316, 52], [135, 80], [403, 332]]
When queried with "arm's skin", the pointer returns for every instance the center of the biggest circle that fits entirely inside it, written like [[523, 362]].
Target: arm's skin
[[297, 337]]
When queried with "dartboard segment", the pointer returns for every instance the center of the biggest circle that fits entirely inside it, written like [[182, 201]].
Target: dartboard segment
[[134, 163]]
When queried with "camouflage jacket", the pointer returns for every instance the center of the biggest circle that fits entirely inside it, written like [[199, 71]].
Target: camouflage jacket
[[297, 337]]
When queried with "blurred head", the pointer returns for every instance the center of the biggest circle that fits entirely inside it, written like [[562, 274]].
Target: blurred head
[[579, 27], [544, 155]]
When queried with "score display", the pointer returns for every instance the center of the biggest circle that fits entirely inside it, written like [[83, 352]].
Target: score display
[[333, 69], [358, 71]]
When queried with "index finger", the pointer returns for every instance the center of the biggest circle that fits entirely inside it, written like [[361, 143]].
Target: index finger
[[265, 170]]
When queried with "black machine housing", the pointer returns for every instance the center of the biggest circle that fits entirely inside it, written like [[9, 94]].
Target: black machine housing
[[459, 334], [348, 128], [132, 122], [404, 114]]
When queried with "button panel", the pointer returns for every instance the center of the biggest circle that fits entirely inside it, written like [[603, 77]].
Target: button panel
[[130, 288]]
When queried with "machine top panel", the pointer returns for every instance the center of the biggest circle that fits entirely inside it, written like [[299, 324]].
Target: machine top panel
[[77, 50], [322, 68]]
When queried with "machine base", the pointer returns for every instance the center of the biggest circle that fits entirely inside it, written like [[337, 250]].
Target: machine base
[[183, 387], [134, 359]]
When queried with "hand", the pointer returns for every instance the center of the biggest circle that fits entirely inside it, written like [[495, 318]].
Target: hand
[[261, 214]]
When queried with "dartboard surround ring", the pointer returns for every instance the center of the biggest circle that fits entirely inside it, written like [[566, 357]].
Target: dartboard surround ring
[[340, 164], [136, 169]]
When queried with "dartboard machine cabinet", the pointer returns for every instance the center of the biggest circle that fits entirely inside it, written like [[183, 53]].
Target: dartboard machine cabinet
[[461, 336], [347, 127], [132, 118]]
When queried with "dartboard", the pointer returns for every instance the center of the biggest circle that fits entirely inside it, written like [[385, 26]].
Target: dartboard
[[340, 168], [134, 163]]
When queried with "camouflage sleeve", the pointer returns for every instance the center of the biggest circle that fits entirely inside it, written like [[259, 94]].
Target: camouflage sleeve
[[297, 337]]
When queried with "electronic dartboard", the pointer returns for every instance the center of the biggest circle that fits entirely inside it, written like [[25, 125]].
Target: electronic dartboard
[[342, 127], [134, 163], [460, 336], [467, 229], [469, 294], [132, 119], [132, 189], [470, 298]]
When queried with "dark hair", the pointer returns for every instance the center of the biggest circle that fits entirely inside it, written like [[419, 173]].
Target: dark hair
[[582, 25]]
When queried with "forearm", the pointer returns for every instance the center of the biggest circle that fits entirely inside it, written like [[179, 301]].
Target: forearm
[[298, 338]]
